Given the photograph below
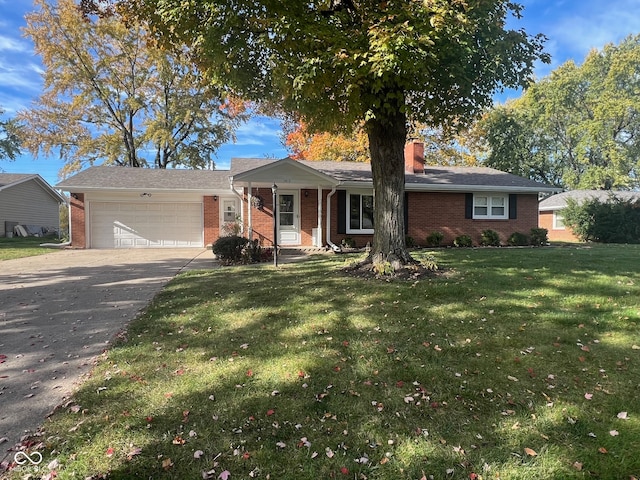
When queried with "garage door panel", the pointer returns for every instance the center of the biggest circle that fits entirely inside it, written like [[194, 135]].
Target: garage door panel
[[141, 225]]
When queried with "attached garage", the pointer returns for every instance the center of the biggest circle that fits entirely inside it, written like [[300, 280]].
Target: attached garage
[[145, 224]]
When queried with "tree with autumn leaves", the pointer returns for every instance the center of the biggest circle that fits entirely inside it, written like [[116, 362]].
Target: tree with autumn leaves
[[112, 97], [334, 63]]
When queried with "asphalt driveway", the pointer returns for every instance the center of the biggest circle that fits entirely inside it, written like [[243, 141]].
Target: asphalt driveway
[[60, 310]]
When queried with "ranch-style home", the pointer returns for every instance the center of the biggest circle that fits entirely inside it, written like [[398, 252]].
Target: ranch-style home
[[551, 208], [318, 203]]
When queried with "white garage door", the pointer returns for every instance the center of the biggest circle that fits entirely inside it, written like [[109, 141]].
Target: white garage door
[[141, 225]]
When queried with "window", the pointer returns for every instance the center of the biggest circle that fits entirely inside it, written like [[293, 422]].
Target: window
[[360, 213], [490, 206], [558, 221], [228, 211]]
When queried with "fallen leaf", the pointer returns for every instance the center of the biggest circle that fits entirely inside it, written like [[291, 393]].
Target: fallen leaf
[[577, 466], [281, 444], [167, 463], [602, 450], [623, 416], [513, 379], [344, 471], [224, 475], [329, 452], [530, 452], [198, 454], [270, 412], [614, 433], [588, 396], [109, 452], [133, 452]]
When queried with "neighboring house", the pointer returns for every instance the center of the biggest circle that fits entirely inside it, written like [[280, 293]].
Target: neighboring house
[[27, 199], [319, 203], [550, 210]]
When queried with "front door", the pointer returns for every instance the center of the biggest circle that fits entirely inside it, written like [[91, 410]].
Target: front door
[[288, 218]]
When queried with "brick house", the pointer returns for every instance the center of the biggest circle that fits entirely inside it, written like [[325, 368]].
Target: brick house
[[550, 210], [319, 203]]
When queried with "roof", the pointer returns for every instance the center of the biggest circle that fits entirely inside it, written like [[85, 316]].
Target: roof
[[130, 178], [349, 174], [559, 201], [9, 180]]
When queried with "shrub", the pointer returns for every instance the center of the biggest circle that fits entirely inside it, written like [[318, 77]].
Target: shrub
[[615, 221], [490, 238], [410, 242], [348, 242], [518, 239], [229, 249], [539, 236], [462, 241], [434, 239]]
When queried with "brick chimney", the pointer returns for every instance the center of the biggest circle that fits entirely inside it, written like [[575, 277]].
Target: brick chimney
[[414, 157]]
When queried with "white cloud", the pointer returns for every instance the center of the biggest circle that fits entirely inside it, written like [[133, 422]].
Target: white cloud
[[13, 44]]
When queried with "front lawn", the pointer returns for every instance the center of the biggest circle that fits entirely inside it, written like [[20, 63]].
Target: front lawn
[[517, 364], [18, 247]]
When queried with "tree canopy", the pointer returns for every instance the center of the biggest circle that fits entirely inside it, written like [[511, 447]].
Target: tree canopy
[[578, 128], [334, 63], [112, 97], [9, 142]]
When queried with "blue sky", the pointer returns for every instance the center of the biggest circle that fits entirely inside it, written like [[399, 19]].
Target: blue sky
[[573, 28]]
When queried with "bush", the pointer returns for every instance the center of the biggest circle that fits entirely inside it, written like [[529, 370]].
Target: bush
[[462, 241], [539, 236], [615, 221], [409, 242], [348, 242], [517, 239], [435, 239], [490, 238]]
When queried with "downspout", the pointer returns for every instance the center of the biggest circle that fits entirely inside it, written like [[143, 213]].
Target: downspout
[[333, 246], [241, 201]]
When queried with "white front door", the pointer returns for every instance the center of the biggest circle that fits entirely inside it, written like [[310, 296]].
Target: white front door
[[288, 218]]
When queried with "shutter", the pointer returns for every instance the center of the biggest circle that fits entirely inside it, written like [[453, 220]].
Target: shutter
[[406, 213], [468, 205], [342, 211], [513, 206]]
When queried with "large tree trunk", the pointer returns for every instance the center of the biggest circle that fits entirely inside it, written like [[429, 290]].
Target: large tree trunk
[[386, 143]]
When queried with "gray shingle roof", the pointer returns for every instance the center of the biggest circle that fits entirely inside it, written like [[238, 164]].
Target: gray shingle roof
[[9, 178], [125, 178], [559, 201], [434, 178]]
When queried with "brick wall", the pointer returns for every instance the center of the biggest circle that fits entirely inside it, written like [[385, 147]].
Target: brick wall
[[262, 218], [444, 212], [78, 230], [211, 212], [545, 219]]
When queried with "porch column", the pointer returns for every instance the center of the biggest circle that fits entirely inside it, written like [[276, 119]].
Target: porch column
[[250, 213], [318, 240]]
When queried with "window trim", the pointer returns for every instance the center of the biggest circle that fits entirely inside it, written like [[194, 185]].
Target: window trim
[[353, 231], [556, 216], [489, 206]]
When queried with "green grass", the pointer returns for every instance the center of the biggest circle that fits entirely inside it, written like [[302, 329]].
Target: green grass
[[305, 373], [19, 247]]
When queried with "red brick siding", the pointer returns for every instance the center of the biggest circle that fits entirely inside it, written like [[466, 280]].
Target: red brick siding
[[78, 230], [211, 212], [444, 212], [429, 212], [262, 219], [545, 219]]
